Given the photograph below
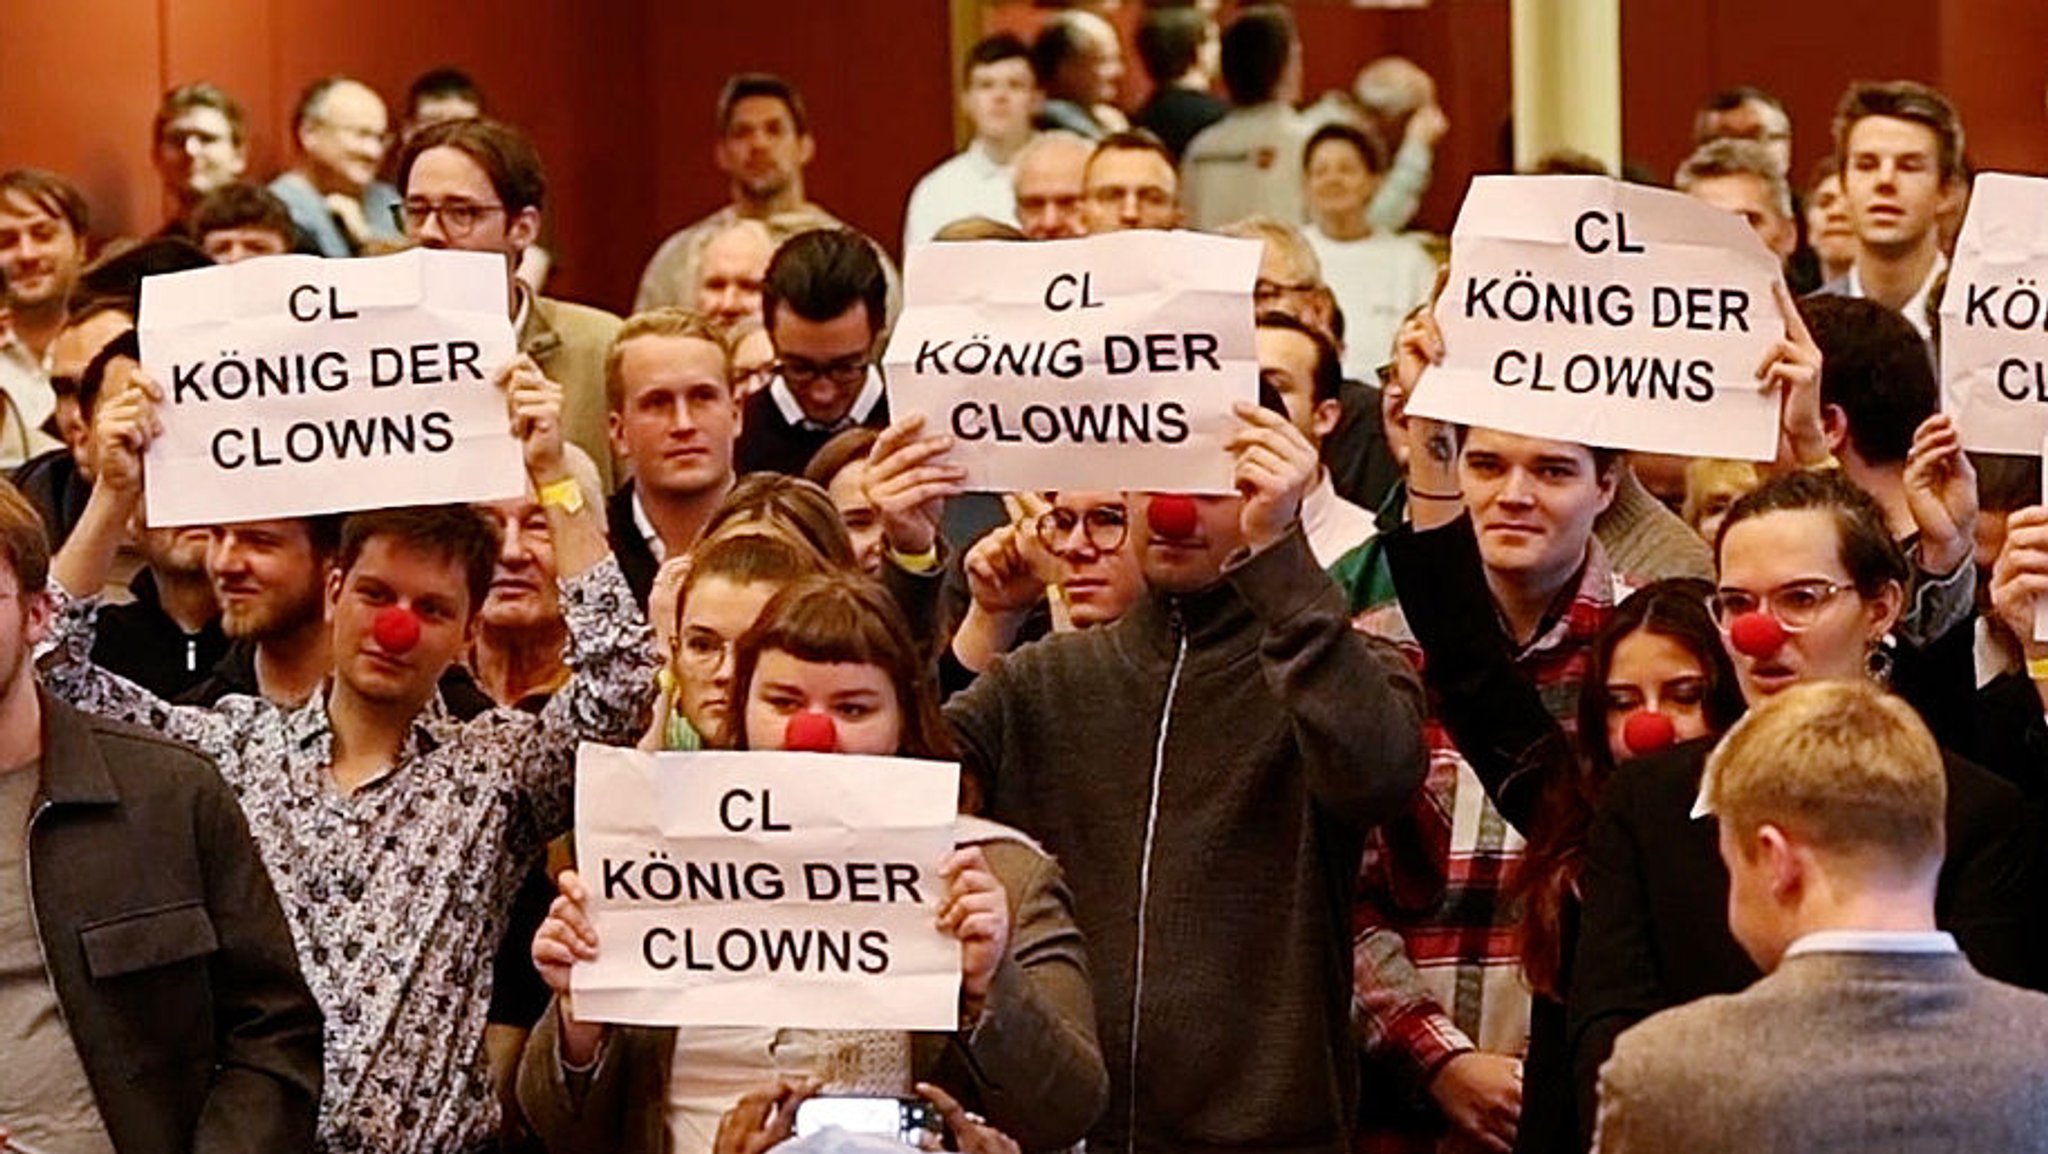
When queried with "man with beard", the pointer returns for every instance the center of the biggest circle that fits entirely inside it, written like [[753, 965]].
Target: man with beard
[[169, 638], [269, 578], [42, 249]]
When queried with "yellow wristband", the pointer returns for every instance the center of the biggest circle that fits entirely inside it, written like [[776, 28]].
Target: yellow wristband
[[2037, 668], [564, 494], [917, 564]]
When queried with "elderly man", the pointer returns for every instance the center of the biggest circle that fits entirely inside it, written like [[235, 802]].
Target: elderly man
[[340, 206]]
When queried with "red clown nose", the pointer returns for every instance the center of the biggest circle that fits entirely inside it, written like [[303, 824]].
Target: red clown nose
[[810, 732], [1172, 515], [1756, 634], [1646, 731], [397, 629]]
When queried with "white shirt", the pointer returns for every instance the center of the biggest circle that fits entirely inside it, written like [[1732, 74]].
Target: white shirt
[[1248, 162], [28, 402], [1376, 279], [1874, 942], [1333, 525], [970, 183], [1915, 310], [870, 395], [648, 533]]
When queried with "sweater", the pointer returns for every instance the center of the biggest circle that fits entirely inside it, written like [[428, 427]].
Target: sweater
[[1206, 768]]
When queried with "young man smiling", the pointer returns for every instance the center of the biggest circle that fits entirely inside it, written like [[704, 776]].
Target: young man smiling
[[395, 834]]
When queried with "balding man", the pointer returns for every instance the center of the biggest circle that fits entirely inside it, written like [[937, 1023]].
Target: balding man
[[1079, 61], [1048, 185], [730, 271], [1130, 182], [337, 202]]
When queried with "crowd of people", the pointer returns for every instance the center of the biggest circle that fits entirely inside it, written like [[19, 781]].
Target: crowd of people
[[1441, 789]]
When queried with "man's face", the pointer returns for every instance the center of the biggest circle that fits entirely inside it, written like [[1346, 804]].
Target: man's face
[[39, 254], [1286, 286], [180, 552], [24, 623], [1185, 564], [388, 573], [762, 151], [267, 578], [1753, 120], [730, 274], [1100, 584], [1748, 197], [677, 419], [1129, 188], [447, 181], [198, 153], [1785, 548], [1533, 503], [1828, 227], [345, 139], [999, 98], [523, 594], [234, 245], [824, 363], [1337, 181], [1094, 73], [1048, 188], [1287, 361], [1892, 177]]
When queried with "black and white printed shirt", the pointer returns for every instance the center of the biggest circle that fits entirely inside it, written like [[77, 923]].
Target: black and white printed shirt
[[397, 893]]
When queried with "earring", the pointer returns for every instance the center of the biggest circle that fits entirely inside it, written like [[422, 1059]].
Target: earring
[[1879, 662]]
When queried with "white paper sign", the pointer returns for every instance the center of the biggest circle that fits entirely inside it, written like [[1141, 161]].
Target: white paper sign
[[766, 889], [1583, 309], [1994, 318], [295, 385], [1108, 362]]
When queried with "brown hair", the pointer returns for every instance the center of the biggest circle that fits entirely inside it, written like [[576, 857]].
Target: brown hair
[[798, 511], [456, 532], [746, 560], [24, 544], [1902, 100], [241, 205], [846, 618], [662, 322], [1842, 763], [502, 151], [47, 191], [832, 457]]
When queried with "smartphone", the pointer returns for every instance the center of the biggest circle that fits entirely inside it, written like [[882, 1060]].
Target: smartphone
[[905, 1120]]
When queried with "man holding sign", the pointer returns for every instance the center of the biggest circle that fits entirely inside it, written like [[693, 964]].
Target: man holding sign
[[395, 834]]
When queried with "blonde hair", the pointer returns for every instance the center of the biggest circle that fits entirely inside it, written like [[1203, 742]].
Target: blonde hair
[[1286, 239], [1706, 476], [663, 322], [1847, 766]]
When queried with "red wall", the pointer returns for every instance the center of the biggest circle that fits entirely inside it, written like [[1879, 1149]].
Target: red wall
[[618, 93]]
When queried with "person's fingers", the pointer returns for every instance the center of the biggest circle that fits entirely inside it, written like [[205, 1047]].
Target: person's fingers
[[570, 884], [909, 456], [900, 432], [1795, 325]]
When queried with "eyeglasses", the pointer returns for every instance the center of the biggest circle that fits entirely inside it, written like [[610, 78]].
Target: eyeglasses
[[752, 380], [1104, 528], [376, 137], [458, 217], [846, 372], [1796, 604]]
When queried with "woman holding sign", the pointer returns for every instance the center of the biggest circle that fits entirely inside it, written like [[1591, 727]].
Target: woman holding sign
[[827, 668]]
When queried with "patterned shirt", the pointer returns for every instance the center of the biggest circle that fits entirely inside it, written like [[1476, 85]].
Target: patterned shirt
[[1437, 969], [397, 893]]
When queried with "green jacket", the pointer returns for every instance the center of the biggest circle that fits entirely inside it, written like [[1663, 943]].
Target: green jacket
[[569, 342]]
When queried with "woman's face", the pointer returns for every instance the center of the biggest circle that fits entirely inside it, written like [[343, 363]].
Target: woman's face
[[1797, 555], [1655, 673], [859, 699], [715, 613]]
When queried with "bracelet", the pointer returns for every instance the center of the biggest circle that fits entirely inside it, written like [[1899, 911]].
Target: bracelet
[[565, 494], [2037, 668], [916, 564], [1436, 496]]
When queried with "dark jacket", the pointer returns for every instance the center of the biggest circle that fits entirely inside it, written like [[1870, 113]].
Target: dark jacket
[[142, 643], [167, 947], [1206, 769], [629, 545], [1654, 932]]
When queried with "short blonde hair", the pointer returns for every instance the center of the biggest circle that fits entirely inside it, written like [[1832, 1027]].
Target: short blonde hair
[[1842, 763], [663, 322], [1705, 476]]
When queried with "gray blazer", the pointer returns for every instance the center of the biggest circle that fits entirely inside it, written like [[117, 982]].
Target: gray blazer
[[1837, 1052]]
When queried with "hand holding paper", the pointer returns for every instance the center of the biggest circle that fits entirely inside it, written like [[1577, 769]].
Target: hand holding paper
[[1274, 466], [1792, 371], [534, 404], [977, 912], [566, 938], [1941, 491], [124, 423], [908, 483]]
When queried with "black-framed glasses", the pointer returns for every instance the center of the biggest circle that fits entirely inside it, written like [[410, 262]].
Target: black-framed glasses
[[846, 372], [1796, 604], [1104, 527], [458, 217]]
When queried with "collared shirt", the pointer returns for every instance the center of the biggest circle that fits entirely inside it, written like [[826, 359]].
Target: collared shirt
[[648, 532], [1874, 942], [969, 183], [317, 222], [1915, 309], [26, 401], [792, 411], [1334, 526], [397, 893]]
